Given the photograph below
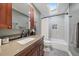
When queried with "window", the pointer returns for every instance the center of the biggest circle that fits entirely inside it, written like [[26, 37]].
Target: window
[[52, 6]]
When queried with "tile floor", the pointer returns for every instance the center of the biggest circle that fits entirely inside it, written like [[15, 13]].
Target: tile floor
[[56, 52]]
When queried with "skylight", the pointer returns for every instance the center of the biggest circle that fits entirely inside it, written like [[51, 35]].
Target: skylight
[[52, 6]]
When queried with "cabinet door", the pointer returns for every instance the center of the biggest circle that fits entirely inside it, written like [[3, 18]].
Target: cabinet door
[[41, 50], [9, 15], [5, 15], [2, 15]]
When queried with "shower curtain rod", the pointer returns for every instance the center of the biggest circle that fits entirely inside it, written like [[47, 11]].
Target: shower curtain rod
[[55, 15]]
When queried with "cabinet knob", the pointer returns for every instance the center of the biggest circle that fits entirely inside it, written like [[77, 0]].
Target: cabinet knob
[[9, 26]]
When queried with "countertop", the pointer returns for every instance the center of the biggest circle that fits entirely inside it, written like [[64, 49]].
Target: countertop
[[13, 47]]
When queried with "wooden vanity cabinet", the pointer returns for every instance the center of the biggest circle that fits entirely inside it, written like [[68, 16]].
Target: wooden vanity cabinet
[[35, 49], [5, 15]]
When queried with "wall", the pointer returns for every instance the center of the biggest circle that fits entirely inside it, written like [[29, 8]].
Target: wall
[[66, 26], [74, 12], [20, 19], [45, 28], [37, 21], [59, 32]]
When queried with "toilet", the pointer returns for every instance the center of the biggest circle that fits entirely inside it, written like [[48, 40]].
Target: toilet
[[47, 45]]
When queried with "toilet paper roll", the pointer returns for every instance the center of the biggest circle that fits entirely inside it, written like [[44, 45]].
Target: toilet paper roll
[[5, 40]]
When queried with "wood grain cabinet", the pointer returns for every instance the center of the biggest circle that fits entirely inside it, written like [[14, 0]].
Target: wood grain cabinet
[[5, 15], [35, 49]]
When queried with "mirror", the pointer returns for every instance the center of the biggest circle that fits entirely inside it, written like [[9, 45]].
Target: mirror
[[20, 16]]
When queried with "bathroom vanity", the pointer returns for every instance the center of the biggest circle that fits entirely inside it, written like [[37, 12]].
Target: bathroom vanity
[[24, 47], [35, 49]]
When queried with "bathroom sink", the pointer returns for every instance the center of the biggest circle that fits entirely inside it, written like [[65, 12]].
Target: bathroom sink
[[25, 40]]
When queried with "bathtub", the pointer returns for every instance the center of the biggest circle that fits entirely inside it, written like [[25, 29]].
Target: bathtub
[[58, 44]]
